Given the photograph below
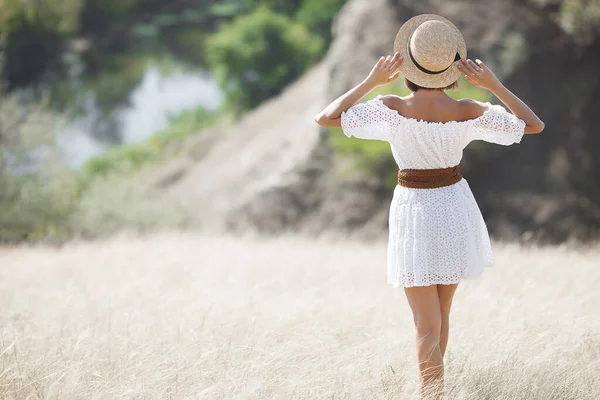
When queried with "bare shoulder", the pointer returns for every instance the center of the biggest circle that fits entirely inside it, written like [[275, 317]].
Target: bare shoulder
[[471, 109], [394, 102]]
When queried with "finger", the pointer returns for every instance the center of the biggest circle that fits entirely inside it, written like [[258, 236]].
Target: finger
[[394, 61], [471, 80], [388, 59], [474, 67], [396, 64], [481, 64], [468, 69], [394, 76]]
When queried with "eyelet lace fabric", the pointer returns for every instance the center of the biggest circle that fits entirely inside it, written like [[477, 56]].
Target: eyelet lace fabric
[[436, 236]]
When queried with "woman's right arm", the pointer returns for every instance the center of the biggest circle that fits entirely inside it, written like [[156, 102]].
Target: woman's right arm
[[381, 74], [480, 75]]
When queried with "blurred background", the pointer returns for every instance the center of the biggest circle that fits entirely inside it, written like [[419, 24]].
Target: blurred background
[[148, 115], [175, 131]]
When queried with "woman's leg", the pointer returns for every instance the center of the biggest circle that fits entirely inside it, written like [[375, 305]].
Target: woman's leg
[[425, 304], [446, 294]]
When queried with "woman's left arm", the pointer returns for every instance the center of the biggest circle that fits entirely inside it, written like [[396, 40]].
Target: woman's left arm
[[382, 73], [482, 76]]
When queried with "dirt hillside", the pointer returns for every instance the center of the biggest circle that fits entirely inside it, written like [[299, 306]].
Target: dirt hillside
[[275, 172], [258, 153]]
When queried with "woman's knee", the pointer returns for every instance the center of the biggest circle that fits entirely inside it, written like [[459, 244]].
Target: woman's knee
[[428, 327]]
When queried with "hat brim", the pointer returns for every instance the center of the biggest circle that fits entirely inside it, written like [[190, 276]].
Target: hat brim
[[411, 71]]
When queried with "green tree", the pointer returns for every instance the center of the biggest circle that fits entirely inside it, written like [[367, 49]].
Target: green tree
[[318, 15], [287, 7], [38, 191], [256, 55], [35, 36]]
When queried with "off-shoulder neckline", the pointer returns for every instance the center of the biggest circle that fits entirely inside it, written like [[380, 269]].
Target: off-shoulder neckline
[[422, 121]]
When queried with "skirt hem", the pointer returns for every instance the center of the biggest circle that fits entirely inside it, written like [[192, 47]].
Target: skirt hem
[[475, 275]]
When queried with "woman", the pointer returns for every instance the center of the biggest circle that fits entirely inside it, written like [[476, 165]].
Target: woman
[[437, 233]]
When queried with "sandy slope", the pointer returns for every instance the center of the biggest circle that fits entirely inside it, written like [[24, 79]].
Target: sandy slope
[[259, 151], [190, 316]]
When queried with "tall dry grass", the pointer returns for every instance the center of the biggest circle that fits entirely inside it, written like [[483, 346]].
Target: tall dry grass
[[188, 316]]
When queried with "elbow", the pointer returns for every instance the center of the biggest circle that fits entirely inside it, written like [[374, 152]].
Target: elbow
[[539, 127], [321, 119], [536, 128]]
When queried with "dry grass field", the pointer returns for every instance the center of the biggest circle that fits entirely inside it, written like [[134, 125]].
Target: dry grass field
[[187, 316]]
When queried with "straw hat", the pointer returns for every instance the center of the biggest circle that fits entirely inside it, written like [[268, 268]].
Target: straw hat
[[431, 46]]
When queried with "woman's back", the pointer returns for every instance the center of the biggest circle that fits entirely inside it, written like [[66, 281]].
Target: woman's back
[[424, 143], [434, 106]]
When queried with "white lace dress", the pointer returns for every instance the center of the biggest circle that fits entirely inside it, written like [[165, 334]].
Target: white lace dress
[[436, 236]]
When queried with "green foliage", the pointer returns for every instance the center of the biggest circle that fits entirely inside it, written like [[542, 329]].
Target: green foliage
[[514, 53], [191, 43], [280, 40], [228, 8], [257, 46], [318, 15], [34, 34], [118, 194], [127, 158], [374, 156], [126, 202], [43, 199], [256, 55], [286, 7], [580, 18], [38, 206], [38, 191], [56, 15]]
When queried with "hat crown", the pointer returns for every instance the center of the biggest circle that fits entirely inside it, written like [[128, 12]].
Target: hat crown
[[433, 45]]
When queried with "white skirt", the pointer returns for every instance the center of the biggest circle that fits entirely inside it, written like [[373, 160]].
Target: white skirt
[[436, 236]]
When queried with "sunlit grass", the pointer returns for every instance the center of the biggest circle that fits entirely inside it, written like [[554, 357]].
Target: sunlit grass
[[184, 316]]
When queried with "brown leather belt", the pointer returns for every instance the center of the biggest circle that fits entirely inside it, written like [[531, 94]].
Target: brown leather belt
[[429, 178]]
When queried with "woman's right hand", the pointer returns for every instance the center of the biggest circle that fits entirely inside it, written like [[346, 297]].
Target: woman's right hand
[[384, 71]]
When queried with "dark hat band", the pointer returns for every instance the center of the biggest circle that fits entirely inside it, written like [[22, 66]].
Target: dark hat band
[[456, 58]]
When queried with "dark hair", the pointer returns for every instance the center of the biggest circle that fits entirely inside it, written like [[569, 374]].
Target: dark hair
[[413, 87]]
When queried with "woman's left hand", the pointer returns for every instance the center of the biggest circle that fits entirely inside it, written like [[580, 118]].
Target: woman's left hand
[[479, 74], [384, 71]]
